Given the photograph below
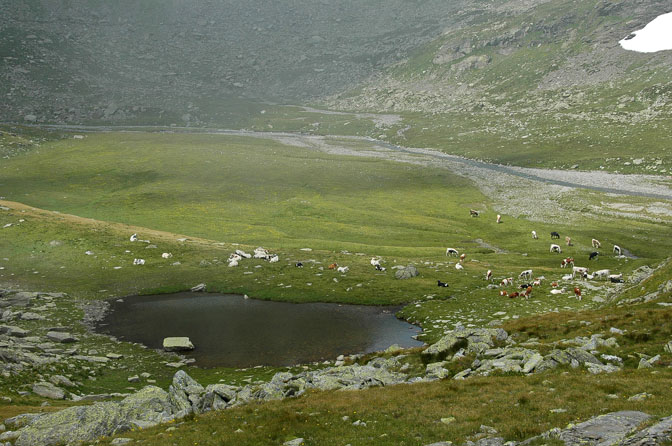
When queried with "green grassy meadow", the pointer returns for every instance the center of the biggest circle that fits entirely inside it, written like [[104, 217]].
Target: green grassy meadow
[[202, 196]]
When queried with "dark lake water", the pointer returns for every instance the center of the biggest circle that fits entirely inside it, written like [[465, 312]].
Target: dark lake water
[[231, 331]]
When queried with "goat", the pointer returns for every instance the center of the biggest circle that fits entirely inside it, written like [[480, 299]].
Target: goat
[[554, 284], [556, 248], [458, 266], [506, 282], [602, 274], [274, 258], [260, 253], [499, 218], [343, 269], [488, 275], [593, 255], [473, 212], [568, 277], [578, 269], [536, 282], [555, 235], [503, 293], [333, 266], [596, 243], [134, 238], [557, 291], [375, 261], [233, 262], [462, 257], [616, 276], [299, 265], [138, 261], [534, 235], [568, 240], [566, 262], [525, 274], [514, 295], [235, 257], [524, 286], [452, 252], [577, 292], [243, 254], [616, 279], [588, 276], [380, 268], [443, 284], [166, 255], [617, 250]]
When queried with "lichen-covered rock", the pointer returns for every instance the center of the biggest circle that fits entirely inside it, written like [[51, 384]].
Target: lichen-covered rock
[[48, 390], [177, 344], [145, 408], [437, 370], [185, 393], [607, 429], [406, 273], [659, 433]]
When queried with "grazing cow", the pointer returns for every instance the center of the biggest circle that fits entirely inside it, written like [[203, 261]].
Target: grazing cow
[[343, 269], [299, 265], [503, 293], [506, 282], [488, 275], [524, 286], [556, 248], [499, 218], [459, 266], [527, 274], [274, 258], [536, 282], [528, 291], [380, 268], [616, 276], [602, 274], [462, 257], [333, 266], [578, 269], [452, 252], [568, 240], [243, 254], [593, 255], [166, 255], [616, 280], [473, 212], [577, 292], [134, 238], [617, 250], [555, 235], [534, 235], [566, 262], [443, 284], [514, 295], [596, 243], [138, 261]]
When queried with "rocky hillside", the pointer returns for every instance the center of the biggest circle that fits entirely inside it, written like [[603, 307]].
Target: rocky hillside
[[76, 61]]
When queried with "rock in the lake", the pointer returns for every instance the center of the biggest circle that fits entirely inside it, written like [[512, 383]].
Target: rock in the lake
[[176, 344], [48, 390], [62, 337], [407, 272]]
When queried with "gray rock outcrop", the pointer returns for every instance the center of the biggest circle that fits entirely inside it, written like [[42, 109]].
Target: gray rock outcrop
[[406, 272]]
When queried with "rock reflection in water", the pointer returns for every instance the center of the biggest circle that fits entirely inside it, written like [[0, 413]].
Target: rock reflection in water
[[231, 331]]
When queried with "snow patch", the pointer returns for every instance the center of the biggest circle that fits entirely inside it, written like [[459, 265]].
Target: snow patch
[[656, 36]]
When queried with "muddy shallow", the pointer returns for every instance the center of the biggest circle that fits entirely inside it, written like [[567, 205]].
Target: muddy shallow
[[231, 331]]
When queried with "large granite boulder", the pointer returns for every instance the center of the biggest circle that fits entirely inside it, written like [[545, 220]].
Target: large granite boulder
[[148, 407], [185, 394], [406, 272], [177, 344]]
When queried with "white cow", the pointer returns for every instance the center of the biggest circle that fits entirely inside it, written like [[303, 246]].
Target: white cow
[[342, 269], [527, 274], [166, 255], [458, 266], [375, 261], [602, 274], [579, 269], [452, 252], [555, 248], [235, 257], [138, 261], [617, 250], [134, 238], [596, 243], [233, 262], [274, 258], [260, 253]]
